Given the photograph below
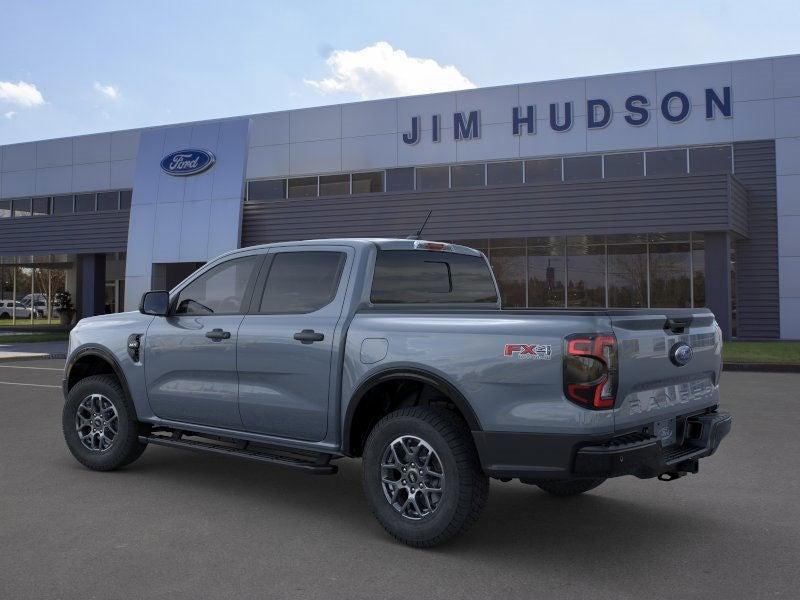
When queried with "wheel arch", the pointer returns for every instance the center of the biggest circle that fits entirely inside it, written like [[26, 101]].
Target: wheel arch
[[94, 360], [416, 374]]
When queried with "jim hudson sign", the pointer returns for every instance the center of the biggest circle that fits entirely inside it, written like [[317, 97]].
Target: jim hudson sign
[[674, 107]]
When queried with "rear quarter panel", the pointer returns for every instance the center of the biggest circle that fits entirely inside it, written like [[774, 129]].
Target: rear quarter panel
[[507, 393]]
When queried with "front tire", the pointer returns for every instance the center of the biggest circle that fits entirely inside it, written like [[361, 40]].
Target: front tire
[[567, 487], [422, 476], [99, 424]]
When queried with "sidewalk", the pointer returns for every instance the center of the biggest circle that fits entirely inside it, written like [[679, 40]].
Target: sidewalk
[[33, 350]]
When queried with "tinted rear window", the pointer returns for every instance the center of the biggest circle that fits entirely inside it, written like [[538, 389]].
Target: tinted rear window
[[420, 276]]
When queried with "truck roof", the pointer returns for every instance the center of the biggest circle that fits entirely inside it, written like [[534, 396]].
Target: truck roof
[[381, 243]]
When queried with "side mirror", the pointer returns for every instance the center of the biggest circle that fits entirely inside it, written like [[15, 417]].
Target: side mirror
[[155, 303]]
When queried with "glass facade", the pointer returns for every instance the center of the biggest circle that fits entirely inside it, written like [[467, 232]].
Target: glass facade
[[621, 271]]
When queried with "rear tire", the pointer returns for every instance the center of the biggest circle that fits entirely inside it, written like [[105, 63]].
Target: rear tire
[[99, 424], [442, 457], [567, 487]]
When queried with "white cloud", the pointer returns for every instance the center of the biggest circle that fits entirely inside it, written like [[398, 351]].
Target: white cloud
[[109, 91], [380, 71], [20, 93], [10, 114]]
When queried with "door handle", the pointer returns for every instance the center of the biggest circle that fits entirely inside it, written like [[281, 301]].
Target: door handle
[[308, 336], [218, 334]]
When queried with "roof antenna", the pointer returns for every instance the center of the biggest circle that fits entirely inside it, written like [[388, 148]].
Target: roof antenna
[[416, 235]]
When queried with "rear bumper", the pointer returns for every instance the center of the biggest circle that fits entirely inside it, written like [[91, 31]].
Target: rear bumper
[[537, 456]]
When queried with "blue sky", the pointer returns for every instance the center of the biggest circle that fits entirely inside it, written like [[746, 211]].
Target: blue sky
[[69, 68]]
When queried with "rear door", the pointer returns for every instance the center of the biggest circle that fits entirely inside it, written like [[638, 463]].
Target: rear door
[[659, 378], [286, 342]]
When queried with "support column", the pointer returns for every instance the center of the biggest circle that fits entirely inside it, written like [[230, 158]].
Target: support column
[[718, 279], [93, 284]]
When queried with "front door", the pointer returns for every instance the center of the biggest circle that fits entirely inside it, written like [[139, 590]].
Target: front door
[[190, 355], [286, 343]]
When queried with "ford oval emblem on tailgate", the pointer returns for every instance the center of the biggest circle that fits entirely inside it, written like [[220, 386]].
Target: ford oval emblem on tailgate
[[187, 162], [681, 354]]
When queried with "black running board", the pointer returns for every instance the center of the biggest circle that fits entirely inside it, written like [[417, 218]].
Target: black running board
[[315, 464]]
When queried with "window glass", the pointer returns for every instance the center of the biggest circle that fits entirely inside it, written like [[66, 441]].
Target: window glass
[[508, 265], [433, 178], [504, 173], [220, 290], [421, 276], [334, 185], [62, 205], [586, 275], [5, 209], [84, 202], [302, 282], [699, 269], [579, 168], [368, 183], [22, 207], [630, 164], [468, 175], [41, 206], [125, 199], [400, 180], [546, 272], [543, 171], [666, 162], [303, 187], [271, 189], [714, 159], [108, 201], [627, 275], [670, 275]]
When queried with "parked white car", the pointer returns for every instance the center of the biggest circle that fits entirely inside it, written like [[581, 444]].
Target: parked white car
[[15, 308]]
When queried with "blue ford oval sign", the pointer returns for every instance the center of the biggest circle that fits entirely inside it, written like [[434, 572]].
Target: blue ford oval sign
[[187, 162], [681, 354]]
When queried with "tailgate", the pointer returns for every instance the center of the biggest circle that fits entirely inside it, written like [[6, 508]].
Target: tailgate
[[659, 378]]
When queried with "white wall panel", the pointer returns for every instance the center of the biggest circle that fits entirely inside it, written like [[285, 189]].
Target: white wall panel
[[786, 71], [753, 120], [19, 183], [195, 229], [693, 82], [369, 118], [787, 117], [787, 156], [790, 277], [92, 148], [54, 180], [369, 152], [205, 136], [546, 141], [124, 144], [559, 92], [309, 124], [620, 135], [223, 233], [146, 176], [91, 177], [54, 153], [788, 195], [268, 161], [228, 172], [616, 89], [496, 141], [790, 317], [752, 79], [167, 238], [19, 157], [323, 156], [788, 238], [696, 129], [427, 152], [495, 104], [425, 107], [269, 129], [140, 246], [122, 173]]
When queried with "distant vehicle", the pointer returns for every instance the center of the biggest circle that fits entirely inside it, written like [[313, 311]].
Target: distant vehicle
[[14, 308], [396, 351], [39, 304]]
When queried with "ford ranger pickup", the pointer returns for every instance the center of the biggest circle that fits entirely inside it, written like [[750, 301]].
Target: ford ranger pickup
[[396, 351]]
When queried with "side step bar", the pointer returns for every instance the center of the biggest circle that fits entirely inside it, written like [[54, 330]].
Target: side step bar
[[315, 464]]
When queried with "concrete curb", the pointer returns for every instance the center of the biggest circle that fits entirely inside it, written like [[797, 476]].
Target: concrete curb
[[762, 367]]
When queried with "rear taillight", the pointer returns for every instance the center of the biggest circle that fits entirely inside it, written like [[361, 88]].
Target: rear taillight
[[590, 370]]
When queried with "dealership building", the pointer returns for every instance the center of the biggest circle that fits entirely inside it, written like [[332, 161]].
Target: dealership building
[[676, 187]]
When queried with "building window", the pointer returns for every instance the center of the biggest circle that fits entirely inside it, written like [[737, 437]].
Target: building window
[[303, 187], [125, 199], [270, 189], [666, 162], [463, 176], [22, 207], [698, 270], [546, 272], [5, 209], [107, 201], [41, 206], [629, 164], [586, 273], [627, 275], [670, 271], [368, 183], [547, 170], [400, 180], [581, 168], [712, 159], [433, 178], [507, 257], [84, 203], [62, 205], [334, 185], [504, 173]]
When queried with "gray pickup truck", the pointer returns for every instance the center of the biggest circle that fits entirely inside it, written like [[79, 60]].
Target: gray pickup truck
[[396, 351]]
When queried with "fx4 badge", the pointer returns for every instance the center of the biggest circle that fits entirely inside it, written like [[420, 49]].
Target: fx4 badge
[[529, 351]]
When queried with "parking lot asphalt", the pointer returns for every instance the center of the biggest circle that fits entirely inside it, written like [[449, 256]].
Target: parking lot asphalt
[[184, 525]]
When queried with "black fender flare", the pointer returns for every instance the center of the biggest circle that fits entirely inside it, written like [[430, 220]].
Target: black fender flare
[[99, 352], [415, 374]]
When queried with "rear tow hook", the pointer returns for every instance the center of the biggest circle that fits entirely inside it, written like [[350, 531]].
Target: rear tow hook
[[671, 476]]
